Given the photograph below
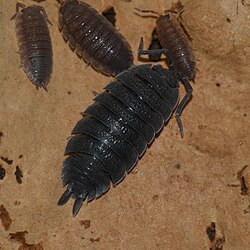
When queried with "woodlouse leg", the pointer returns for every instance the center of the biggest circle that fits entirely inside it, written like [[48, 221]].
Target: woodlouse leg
[[181, 105], [18, 5], [171, 11], [45, 14], [166, 52]]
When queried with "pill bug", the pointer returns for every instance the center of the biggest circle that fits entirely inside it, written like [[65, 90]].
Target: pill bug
[[173, 37], [34, 43], [116, 129], [94, 38]]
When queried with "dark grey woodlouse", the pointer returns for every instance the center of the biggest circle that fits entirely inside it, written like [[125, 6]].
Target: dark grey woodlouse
[[174, 38], [34, 43], [115, 131], [94, 38]]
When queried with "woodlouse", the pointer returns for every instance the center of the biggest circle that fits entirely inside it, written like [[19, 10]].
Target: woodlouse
[[174, 38], [34, 43], [115, 131], [94, 38]]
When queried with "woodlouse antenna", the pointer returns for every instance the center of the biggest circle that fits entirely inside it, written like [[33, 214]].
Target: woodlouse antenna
[[147, 11], [171, 11], [18, 6]]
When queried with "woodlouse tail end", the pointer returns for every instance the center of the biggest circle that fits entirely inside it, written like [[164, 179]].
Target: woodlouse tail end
[[45, 88], [77, 205], [65, 197]]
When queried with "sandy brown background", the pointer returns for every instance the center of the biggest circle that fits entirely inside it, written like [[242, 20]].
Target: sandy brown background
[[180, 185]]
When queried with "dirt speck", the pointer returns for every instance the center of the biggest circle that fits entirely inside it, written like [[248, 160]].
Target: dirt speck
[[19, 175], [177, 166], [95, 240], [20, 156], [155, 197], [244, 188], [17, 203], [241, 178], [202, 126], [217, 242], [20, 237], [211, 231], [2, 172], [247, 210], [85, 223], [4, 216], [5, 159]]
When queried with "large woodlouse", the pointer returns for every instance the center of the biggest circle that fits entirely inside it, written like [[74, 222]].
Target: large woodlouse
[[34, 43], [94, 38], [115, 131], [174, 38]]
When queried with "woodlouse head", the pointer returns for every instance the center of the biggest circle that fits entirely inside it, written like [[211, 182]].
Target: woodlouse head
[[68, 4], [31, 10]]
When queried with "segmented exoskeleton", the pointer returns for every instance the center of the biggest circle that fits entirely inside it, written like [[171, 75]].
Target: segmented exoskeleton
[[94, 38], [173, 37], [116, 129], [34, 43]]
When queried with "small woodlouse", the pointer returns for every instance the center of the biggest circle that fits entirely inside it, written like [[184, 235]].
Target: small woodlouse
[[115, 131], [34, 43], [94, 38], [173, 37]]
